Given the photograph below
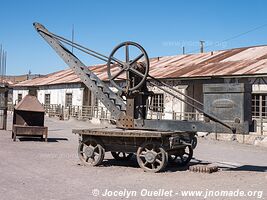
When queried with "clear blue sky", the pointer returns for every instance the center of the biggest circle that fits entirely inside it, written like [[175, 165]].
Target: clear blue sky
[[162, 27]]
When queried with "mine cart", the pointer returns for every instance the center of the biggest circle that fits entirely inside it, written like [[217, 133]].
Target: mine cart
[[155, 142], [28, 119]]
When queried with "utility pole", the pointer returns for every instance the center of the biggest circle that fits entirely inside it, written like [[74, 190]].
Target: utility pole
[[3, 64], [72, 37], [202, 46], [1, 60]]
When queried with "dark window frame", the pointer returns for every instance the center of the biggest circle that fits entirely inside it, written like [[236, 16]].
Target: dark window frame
[[19, 97], [47, 100], [68, 99], [157, 102], [259, 105]]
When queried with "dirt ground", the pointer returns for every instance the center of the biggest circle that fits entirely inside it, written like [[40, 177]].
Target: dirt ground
[[32, 169]]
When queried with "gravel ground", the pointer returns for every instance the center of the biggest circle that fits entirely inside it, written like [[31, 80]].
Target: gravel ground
[[32, 169]]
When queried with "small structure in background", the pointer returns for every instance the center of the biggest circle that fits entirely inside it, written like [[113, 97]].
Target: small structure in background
[[28, 118], [3, 105]]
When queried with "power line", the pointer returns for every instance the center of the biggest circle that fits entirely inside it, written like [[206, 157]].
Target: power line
[[233, 37]]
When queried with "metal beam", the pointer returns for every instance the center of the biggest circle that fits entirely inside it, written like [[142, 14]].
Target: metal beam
[[111, 101], [189, 126]]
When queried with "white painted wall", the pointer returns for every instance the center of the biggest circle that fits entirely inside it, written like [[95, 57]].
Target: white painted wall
[[24, 92], [259, 88], [171, 104], [57, 94]]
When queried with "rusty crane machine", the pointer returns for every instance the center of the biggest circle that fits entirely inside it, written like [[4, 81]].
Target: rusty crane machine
[[155, 142]]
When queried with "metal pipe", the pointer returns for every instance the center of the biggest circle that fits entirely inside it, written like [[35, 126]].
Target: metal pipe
[[192, 99], [71, 43], [81, 48]]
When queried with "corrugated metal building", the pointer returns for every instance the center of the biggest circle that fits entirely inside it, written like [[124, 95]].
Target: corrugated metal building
[[185, 72]]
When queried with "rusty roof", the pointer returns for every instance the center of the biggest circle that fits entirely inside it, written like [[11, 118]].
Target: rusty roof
[[30, 103], [239, 61]]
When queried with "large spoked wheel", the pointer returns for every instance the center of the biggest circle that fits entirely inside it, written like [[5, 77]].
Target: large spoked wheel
[[152, 157], [182, 156], [121, 156], [91, 152], [132, 69]]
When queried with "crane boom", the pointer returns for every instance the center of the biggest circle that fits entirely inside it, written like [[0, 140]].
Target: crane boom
[[111, 101]]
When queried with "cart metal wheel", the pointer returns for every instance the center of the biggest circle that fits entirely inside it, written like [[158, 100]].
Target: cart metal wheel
[[172, 159], [182, 157], [13, 136], [121, 156], [194, 142], [120, 69], [152, 157], [91, 152]]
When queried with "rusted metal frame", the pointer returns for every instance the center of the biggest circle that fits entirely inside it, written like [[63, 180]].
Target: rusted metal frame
[[99, 89], [189, 126], [214, 118]]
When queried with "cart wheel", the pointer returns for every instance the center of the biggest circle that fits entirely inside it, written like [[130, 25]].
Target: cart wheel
[[121, 156], [172, 159], [13, 136], [152, 157], [194, 142], [91, 152], [182, 157]]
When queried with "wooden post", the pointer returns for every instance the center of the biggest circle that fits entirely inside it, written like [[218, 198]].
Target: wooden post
[[260, 115]]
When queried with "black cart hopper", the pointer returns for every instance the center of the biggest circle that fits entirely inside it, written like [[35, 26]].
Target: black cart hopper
[[28, 119]]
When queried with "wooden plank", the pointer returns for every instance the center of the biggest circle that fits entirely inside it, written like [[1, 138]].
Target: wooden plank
[[120, 132], [21, 130]]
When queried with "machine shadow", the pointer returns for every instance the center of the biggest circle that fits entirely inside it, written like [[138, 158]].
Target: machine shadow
[[129, 163], [36, 139], [249, 168], [133, 163], [173, 167]]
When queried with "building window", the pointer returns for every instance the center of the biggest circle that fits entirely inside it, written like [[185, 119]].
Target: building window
[[259, 105], [33, 91], [157, 103], [68, 102], [19, 97], [47, 99], [96, 102]]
